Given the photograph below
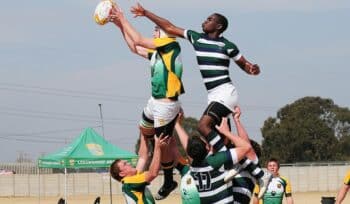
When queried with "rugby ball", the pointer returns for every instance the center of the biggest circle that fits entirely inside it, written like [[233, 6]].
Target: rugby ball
[[102, 11]]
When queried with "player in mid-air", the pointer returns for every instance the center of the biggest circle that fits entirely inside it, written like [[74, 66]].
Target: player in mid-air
[[213, 53], [159, 116]]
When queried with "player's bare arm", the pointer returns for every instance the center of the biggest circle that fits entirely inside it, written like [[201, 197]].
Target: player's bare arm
[[137, 38], [249, 68], [139, 50], [242, 147], [241, 131], [159, 144], [163, 23]]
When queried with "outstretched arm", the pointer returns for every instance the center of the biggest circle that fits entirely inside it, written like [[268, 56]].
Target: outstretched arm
[[342, 193], [143, 52], [242, 146], [163, 23], [249, 68], [159, 144], [130, 31], [143, 154], [242, 132]]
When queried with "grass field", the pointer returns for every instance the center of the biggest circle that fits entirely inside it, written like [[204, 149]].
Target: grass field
[[299, 198]]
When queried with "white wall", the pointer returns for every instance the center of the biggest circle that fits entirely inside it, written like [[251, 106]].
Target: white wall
[[303, 179]]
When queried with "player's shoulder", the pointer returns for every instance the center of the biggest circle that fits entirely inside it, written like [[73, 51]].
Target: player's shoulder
[[191, 34], [348, 174], [137, 178], [228, 42], [284, 179]]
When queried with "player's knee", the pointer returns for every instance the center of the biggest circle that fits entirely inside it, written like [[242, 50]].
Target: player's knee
[[147, 132], [204, 127]]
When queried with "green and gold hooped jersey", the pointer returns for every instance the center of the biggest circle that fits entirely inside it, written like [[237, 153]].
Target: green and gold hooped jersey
[[135, 191], [166, 69], [347, 179]]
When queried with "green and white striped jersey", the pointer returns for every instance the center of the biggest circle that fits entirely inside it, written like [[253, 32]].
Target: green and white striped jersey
[[213, 57], [209, 177]]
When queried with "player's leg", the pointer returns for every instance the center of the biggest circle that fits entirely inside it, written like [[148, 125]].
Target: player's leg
[[212, 116], [167, 162], [165, 116], [222, 102]]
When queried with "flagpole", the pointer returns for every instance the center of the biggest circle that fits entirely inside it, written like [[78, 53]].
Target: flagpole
[[103, 134], [102, 126]]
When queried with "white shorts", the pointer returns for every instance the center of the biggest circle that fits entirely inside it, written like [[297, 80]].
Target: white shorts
[[226, 94], [161, 112]]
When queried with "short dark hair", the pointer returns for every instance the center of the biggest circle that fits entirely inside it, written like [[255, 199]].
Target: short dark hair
[[274, 160], [196, 148], [115, 171], [223, 21], [257, 148]]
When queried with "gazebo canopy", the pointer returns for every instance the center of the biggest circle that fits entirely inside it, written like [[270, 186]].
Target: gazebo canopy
[[89, 150]]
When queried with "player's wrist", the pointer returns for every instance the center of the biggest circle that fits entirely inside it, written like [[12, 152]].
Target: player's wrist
[[247, 67], [145, 13]]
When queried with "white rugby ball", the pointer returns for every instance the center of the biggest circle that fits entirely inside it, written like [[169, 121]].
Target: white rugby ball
[[102, 11]]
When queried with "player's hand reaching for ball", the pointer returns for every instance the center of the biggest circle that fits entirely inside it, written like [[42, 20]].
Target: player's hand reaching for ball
[[115, 15], [138, 10]]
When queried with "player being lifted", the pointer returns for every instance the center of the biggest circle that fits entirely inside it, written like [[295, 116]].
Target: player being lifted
[[213, 53], [160, 114]]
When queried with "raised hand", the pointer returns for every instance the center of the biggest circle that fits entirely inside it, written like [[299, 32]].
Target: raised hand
[[223, 128], [161, 141], [138, 10], [115, 15], [254, 69], [180, 116], [237, 113]]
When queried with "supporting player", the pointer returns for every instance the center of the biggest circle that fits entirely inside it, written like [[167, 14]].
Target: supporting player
[[160, 114], [134, 182]]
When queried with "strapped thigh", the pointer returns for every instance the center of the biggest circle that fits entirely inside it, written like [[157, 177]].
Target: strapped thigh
[[216, 111], [166, 129], [147, 126]]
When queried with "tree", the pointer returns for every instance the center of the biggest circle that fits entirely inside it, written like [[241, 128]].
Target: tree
[[310, 129]]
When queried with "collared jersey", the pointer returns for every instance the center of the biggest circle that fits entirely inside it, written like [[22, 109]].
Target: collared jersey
[[166, 69], [213, 57], [243, 186], [135, 191], [243, 183], [209, 177], [347, 179], [277, 187]]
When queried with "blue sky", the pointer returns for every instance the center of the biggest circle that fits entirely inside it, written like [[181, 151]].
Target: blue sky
[[57, 65]]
